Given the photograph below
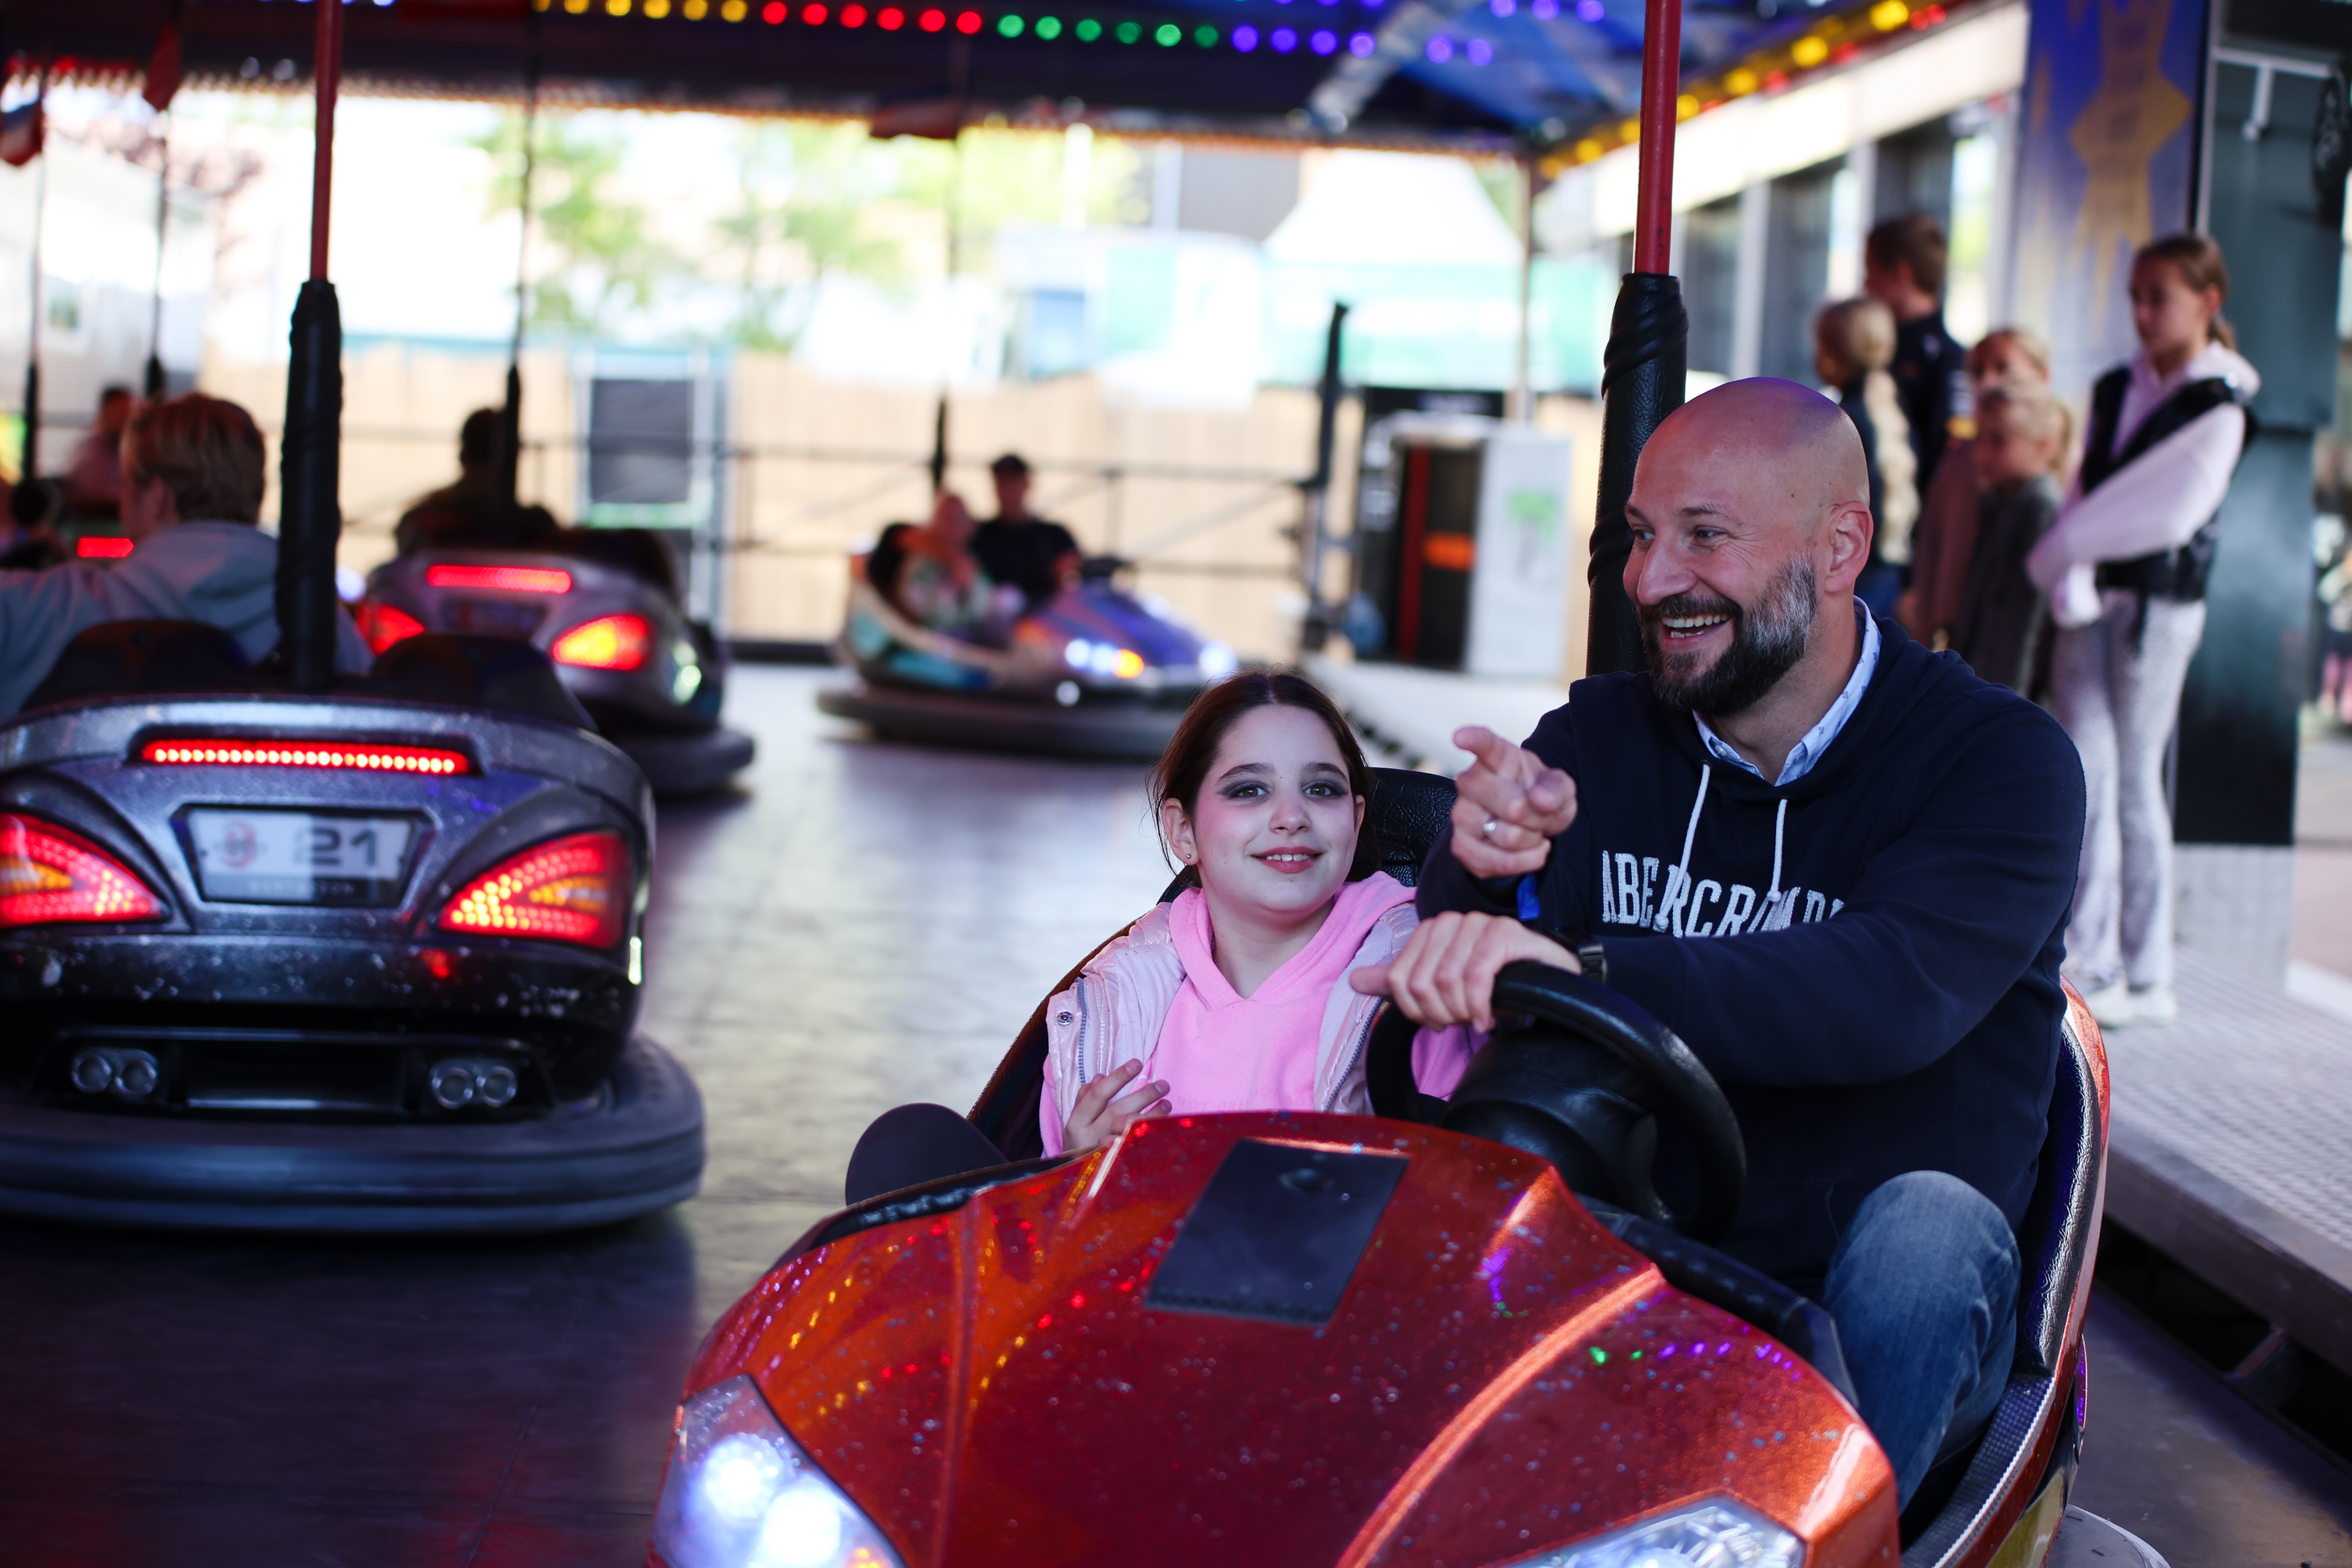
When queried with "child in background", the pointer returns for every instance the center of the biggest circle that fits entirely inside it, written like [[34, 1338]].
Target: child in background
[[2020, 444], [1853, 341], [1946, 535]]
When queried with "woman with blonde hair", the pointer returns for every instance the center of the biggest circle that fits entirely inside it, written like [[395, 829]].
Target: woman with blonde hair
[[2124, 567], [1853, 343]]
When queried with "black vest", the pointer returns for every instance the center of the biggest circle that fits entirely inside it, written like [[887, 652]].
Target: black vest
[[2177, 575]]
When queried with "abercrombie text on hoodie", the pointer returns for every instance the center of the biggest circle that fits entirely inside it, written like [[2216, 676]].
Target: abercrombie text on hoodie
[[1865, 959]]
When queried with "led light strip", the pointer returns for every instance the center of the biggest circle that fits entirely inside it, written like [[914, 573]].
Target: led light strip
[[500, 579], [891, 19], [280, 754]]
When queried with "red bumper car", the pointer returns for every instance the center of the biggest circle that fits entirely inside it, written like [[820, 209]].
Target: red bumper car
[[1444, 1335]]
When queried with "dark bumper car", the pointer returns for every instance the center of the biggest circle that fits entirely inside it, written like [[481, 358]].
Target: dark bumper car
[[1452, 1334], [653, 680], [1092, 672], [364, 961]]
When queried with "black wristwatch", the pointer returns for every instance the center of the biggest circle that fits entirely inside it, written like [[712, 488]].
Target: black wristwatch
[[1591, 956]]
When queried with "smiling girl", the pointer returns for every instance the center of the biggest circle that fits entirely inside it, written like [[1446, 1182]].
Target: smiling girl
[[1234, 996]]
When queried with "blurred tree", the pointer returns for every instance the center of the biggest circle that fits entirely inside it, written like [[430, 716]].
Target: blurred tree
[[607, 257], [807, 197]]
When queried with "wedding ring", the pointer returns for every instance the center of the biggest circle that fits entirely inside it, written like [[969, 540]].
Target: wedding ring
[[1486, 830]]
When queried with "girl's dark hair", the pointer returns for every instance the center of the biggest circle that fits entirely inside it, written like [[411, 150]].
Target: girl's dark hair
[[887, 559], [1184, 766], [2198, 258]]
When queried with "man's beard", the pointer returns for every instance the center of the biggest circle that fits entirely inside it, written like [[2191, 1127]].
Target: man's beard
[[1767, 641]]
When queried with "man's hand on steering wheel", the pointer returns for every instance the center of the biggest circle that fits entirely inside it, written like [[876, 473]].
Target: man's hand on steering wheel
[[1508, 806], [1446, 975]]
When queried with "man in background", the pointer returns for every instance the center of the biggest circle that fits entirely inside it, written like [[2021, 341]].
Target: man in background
[[1016, 546], [193, 480], [1903, 266], [472, 514], [93, 480]]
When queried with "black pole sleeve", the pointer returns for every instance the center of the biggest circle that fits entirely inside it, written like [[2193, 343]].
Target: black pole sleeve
[[28, 463], [310, 514], [1327, 420], [1641, 383], [511, 442], [939, 446]]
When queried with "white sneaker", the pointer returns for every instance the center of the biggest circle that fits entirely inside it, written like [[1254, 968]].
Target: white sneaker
[[2113, 1005], [2154, 1005]]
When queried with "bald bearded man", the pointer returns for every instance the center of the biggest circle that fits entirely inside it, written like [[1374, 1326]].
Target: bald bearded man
[[1836, 864]]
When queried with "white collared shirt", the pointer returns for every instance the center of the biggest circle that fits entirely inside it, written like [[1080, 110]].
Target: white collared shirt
[[1808, 751]]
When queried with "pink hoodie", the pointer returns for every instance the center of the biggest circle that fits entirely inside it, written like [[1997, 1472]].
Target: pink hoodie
[[1296, 1044]]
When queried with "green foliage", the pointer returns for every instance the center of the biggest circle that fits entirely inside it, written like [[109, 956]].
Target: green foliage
[[815, 200], [807, 195], [1506, 187], [608, 259]]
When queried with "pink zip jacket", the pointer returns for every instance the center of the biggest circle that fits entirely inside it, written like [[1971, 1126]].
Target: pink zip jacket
[[1116, 1011]]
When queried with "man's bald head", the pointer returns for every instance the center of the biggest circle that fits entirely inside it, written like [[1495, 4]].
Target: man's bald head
[[1782, 445], [1751, 516]]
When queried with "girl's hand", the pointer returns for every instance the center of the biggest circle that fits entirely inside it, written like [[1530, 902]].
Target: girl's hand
[[1096, 1118]]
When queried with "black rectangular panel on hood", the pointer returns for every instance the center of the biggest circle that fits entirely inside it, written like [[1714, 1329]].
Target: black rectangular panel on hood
[[1277, 1233]]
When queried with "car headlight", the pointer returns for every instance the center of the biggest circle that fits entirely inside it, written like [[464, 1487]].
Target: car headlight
[[686, 660], [1217, 661], [1717, 1534], [740, 1494], [1104, 658]]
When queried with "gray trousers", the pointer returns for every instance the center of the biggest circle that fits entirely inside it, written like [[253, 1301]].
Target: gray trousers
[[2120, 706]]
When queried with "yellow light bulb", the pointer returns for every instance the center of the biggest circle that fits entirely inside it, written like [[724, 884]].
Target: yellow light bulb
[[1685, 105], [1740, 83], [1809, 52]]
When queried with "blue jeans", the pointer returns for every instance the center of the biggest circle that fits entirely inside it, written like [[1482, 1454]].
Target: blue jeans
[[1924, 1289]]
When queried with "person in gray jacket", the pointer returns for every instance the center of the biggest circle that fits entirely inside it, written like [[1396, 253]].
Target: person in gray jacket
[[193, 476]]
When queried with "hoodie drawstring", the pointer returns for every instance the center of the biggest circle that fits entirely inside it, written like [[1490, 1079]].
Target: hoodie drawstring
[[1775, 917], [1669, 911]]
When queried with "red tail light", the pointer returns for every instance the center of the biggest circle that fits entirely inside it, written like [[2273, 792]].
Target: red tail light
[[608, 642], [355, 756], [384, 625], [574, 888], [102, 547], [500, 579], [51, 873]]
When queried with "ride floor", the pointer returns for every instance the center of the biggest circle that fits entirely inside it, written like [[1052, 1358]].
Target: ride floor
[[860, 925]]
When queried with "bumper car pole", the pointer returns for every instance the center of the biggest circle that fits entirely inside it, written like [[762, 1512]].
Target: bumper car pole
[[1641, 369], [311, 517], [510, 416], [1315, 627], [28, 454]]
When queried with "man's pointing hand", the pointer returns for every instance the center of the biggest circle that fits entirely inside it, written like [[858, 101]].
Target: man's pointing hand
[[1508, 806]]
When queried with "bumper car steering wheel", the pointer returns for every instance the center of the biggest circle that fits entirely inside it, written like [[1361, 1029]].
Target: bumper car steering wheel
[[1575, 1074]]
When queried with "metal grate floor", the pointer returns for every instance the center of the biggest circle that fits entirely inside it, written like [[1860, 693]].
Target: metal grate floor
[[2253, 1088]]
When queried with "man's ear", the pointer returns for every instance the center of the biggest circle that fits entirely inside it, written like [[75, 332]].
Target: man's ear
[[1849, 533]]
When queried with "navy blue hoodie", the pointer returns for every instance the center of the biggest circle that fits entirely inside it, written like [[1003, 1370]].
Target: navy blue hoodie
[[1866, 960]]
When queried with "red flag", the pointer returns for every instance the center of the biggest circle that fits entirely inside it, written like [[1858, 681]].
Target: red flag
[[164, 70], [20, 135]]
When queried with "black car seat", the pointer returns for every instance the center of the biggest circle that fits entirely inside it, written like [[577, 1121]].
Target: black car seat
[[463, 669], [159, 659], [2037, 1424], [1405, 815], [143, 659]]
